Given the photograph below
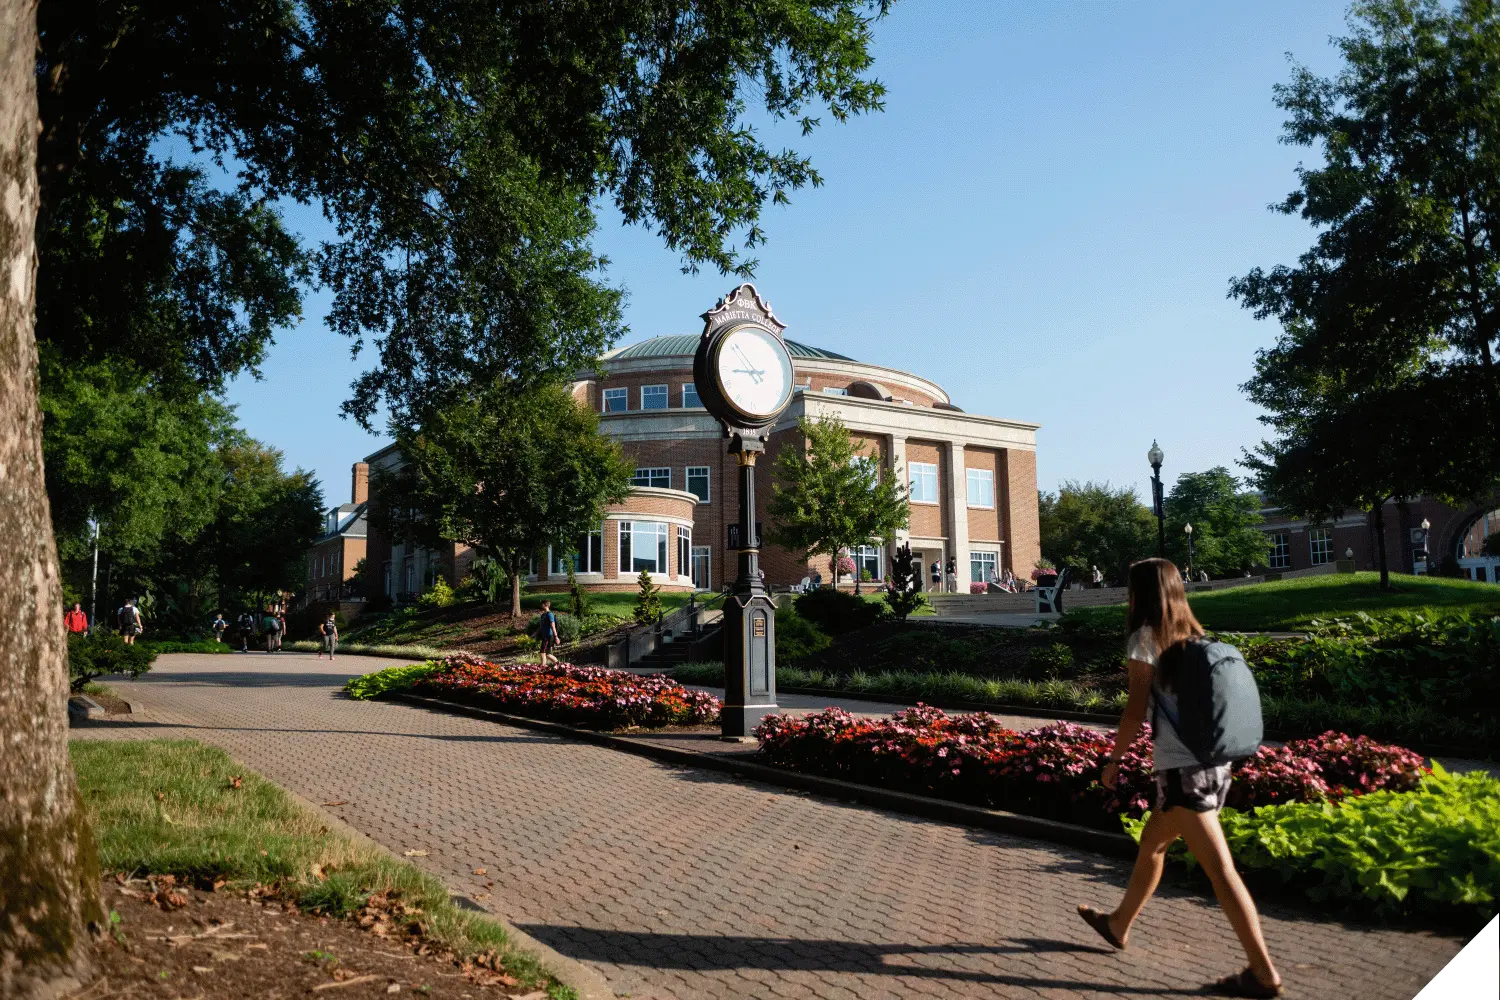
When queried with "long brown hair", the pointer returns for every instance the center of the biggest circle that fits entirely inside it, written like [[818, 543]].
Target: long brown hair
[[1157, 599]]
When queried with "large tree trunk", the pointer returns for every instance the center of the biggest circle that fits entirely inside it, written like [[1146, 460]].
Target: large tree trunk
[[1385, 567], [515, 586], [48, 869]]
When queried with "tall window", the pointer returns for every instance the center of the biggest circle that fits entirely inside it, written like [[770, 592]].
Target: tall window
[[702, 555], [653, 397], [586, 555], [684, 549], [924, 482], [1281, 551], [690, 395], [867, 562], [661, 478], [981, 488], [616, 400], [982, 564], [1321, 540], [643, 546], [697, 482], [831, 391]]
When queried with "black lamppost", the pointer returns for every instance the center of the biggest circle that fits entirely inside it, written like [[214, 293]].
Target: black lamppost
[[1422, 553], [1187, 529], [1155, 457]]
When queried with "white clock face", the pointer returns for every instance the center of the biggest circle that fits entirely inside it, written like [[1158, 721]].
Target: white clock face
[[755, 371]]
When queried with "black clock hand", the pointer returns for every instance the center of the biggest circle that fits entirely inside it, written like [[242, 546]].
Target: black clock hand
[[749, 369]]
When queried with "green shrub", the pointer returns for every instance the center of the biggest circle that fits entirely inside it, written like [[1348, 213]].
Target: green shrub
[[388, 680], [94, 655], [170, 646], [1049, 661], [439, 595], [837, 611], [1435, 849], [568, 627], [797, 638], [596, 622], [647, 600]]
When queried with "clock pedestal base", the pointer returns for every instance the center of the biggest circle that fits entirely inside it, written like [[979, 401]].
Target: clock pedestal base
[[749, 623]]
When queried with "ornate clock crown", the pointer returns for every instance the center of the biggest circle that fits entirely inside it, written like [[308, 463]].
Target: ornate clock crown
[[743, 305]]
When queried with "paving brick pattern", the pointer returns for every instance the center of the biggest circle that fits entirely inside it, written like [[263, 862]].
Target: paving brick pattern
[[687, 884]]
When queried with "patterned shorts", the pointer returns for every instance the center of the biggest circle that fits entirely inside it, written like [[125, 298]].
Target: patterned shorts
[[1201, 789]]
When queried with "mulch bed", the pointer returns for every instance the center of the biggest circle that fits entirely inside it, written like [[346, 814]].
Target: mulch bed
[[112, 704], [183, 943]]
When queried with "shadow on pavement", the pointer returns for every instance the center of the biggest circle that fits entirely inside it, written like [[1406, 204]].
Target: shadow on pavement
[[702, 952], [245, 679], [124, 722]]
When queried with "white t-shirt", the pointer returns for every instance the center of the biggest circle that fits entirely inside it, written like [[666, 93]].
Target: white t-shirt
[[1167, 750]]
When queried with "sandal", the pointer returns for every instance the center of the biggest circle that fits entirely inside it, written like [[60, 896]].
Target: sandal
[[1100, 922], [1244, 984]]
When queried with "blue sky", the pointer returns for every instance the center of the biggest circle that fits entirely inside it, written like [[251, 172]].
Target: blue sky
[[1044, 220]]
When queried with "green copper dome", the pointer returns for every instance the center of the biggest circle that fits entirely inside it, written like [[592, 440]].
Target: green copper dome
[[685, 345]]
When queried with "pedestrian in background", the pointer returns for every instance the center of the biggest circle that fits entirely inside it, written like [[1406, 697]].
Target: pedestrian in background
[[129, 620], [247, 630], [1189, 793], [271, 627], [937, 577], [546, 632], [75, 620], [330, 630], [219, 627]]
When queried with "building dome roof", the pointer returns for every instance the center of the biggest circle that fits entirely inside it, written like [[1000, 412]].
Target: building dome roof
[[686, 345]]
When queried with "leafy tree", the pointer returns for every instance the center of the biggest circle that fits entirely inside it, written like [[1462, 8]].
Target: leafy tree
[[1390, 320], [647, 599], [903, 597], [1084, 525], [1225, 519], [458, 150], [834, 497], [507, 474], [265, 522]]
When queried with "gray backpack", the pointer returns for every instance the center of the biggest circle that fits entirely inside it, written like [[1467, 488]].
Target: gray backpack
[[1218, 705]]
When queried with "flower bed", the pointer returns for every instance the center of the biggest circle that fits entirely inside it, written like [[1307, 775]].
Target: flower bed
[[1054, 771], [590, 697]]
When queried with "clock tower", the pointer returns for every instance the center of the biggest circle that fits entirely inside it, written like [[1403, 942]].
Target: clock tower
[[743, 375]]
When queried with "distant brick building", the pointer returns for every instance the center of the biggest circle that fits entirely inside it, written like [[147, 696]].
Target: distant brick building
[[972, 478], [1454, 538], [332, 558]]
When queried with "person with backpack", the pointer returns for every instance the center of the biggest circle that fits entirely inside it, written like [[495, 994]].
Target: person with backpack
[[1205, 713], [246, 625], [271, 626], [75, 621], [219, 627], [330, 631], [546, 632], [129, 620]]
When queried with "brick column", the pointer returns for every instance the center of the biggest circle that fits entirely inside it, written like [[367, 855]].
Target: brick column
[[898, 468], [1020, 526], [959, 496]]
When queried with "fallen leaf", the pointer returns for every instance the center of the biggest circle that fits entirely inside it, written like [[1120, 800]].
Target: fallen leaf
[[236, 781], [480, 871], [416, 854], [481, 895], [319, 873], [360, 979], [489, 885], [161, 796]]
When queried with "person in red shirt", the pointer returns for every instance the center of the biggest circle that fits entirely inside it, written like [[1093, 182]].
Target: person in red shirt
[[75, 619]]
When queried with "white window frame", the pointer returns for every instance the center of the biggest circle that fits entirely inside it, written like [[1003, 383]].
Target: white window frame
[[632, 530], [660, 391], [1324, 536], [688, 477], [684, 550], [829, 390], [1281, 551], [871, 557], [690, 395], [988, 560], [986, 481], [651, 474], [707, 552], [927, 474], [622, 396]]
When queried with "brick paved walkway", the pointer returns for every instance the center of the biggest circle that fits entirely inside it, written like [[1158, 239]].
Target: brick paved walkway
[[680, 883]]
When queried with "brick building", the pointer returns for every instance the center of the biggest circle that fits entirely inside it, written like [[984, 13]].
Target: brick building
[[972, 478], [1454, 538], [332, 558]]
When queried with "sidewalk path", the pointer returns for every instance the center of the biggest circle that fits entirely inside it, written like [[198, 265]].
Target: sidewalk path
[[689, 884]]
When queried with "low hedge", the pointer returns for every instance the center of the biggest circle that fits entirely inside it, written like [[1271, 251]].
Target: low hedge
[[588, 697], [1054, 771], [175, 646], [99, 653], [1434, 850]]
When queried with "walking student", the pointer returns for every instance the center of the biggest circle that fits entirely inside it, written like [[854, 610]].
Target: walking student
[[219, 626], [1206, 714], [246, 625], [271, 627], [330, 630], [129, 620], [75, 621], [546, 630]]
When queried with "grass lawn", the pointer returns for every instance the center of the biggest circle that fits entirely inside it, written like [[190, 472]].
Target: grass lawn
[[621, 605], [176, 807], [1288, 605]]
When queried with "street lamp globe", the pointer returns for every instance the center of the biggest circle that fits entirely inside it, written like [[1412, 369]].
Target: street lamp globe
[[1349, 553], [1426, 524], [1155, 456], [1188, 528]]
